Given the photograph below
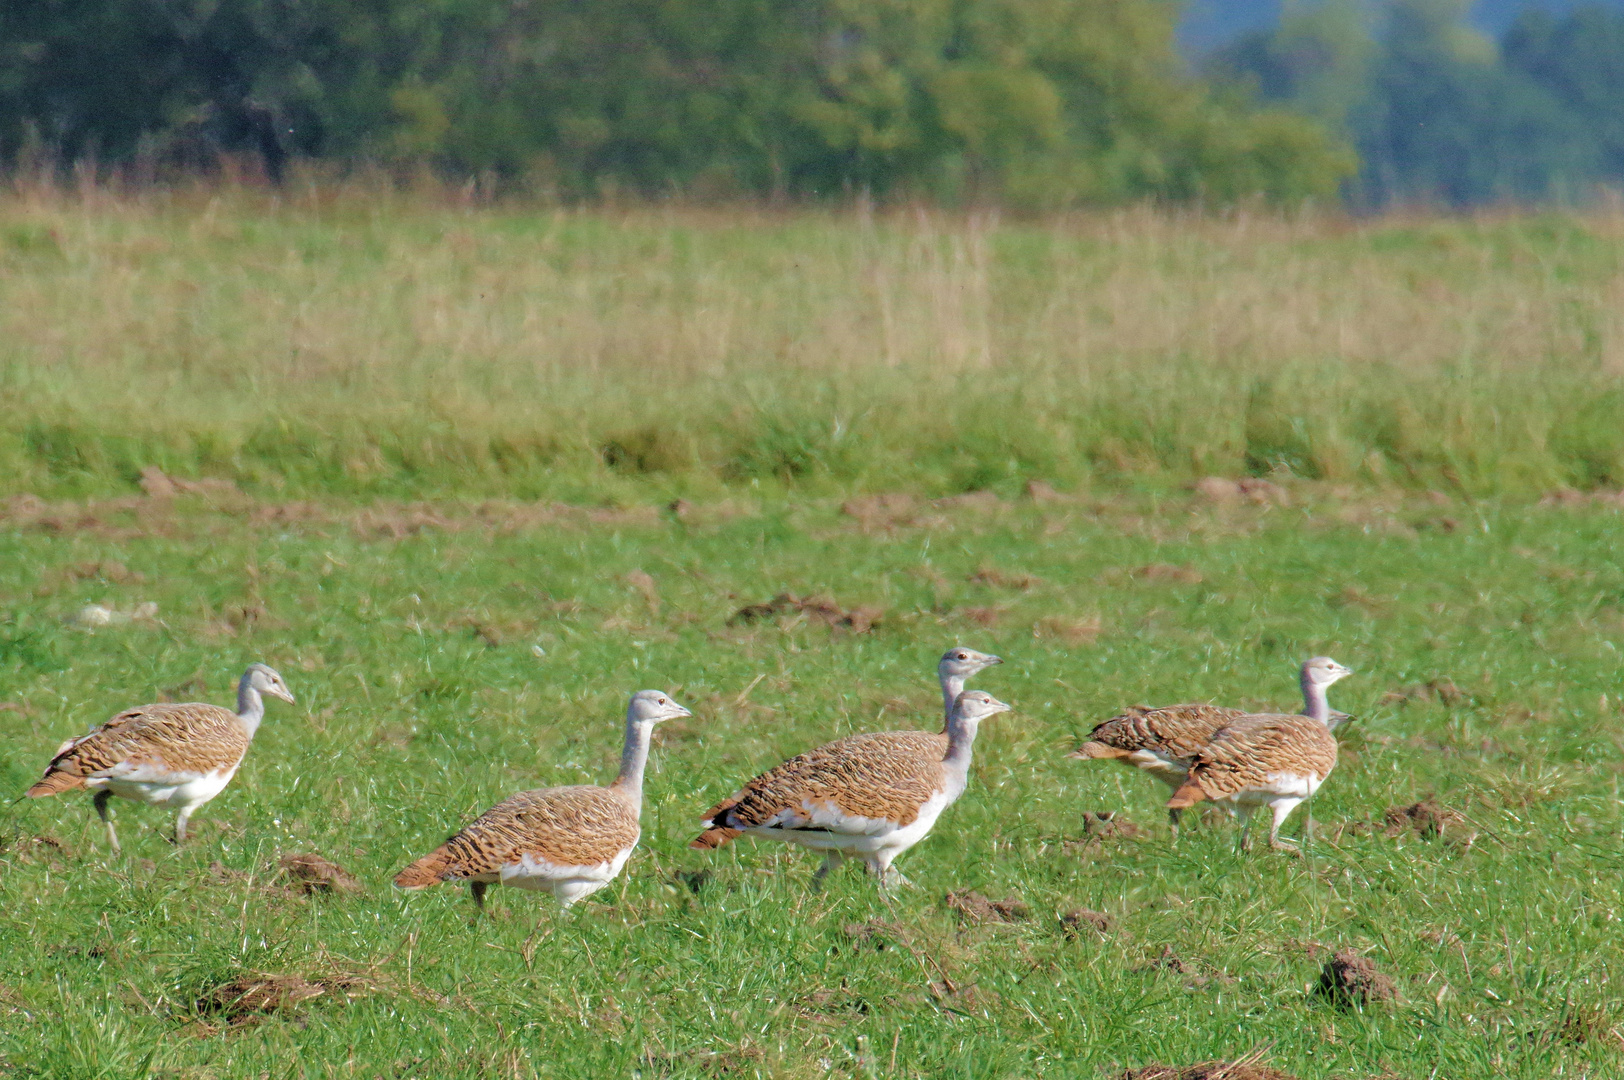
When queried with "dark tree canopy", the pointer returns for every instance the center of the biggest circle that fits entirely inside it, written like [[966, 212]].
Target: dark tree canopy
[[1040, 102]]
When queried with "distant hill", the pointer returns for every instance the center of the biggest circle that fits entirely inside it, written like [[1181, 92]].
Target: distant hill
[[1210, 23]]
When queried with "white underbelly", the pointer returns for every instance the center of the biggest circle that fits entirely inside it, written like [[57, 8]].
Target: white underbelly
[[858, 834], [567, 882], [149, 786], [1277, 785]]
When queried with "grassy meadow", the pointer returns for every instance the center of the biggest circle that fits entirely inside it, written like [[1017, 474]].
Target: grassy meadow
[[397, 345], [470, 475], [1485, 642]]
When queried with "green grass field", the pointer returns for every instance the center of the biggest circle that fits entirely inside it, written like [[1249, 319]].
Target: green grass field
[[381, 344], [1484, 636]]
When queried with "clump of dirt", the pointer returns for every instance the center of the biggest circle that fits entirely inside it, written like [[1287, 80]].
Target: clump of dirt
[[310, 874], [1194, 977], [108, 570], [966, 998], [1099, 827], [1182, 575], [1003, 579], [1251, 489], [1441, 689], [859, 620], [156, 485], [973, 907], [1108, 823], [1588, 1025], [1071, 631], [692, 880], [1350, 979], [252, 997], [1075, 921], [1209, 1070], [983, 616], [875, 934], [1425, 818]]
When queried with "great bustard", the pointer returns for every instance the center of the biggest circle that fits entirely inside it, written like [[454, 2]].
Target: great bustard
[[868, 797], [1272, 760], [1163, 742], [570, 841], [182, 755]]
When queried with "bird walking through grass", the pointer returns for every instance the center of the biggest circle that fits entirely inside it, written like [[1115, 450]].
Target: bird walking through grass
[[569, 841], [1269, 759], [1163, 742], [956, 666], [165, 754], [869, 797]]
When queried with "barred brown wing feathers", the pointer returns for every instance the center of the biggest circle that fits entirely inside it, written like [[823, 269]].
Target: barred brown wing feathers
[[188, 738], [570, 826], [1243, 755], [1177, 730], [886, 775]]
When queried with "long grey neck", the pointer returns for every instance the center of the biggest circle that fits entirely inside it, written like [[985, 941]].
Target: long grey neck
[[952, 687], [250, 706], [632, 759], [961, 738], [1315, 704]]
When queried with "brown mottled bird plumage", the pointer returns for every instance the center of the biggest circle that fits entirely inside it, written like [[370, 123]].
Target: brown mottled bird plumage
[[1178, 731], [887, 775], [180, 754], [1269, 759], [566, 826], [869, 796], [191, 738], [1165, 741], [570, 841]]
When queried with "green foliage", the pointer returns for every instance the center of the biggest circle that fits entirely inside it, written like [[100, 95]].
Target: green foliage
[[1032, 102], [1438, 112]]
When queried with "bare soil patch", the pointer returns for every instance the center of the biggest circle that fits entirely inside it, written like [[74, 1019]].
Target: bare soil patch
[[1074, 922], [859, 620], [311, 874], [1426, 819], [1350, 979], [1208, 1070], [974, 908], [252, 997]]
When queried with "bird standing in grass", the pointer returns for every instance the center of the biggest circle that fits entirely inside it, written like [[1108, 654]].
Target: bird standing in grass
[[957, 665], [569, 841], [1164, 742], [870, 797], [183, 755], [1272, 760]]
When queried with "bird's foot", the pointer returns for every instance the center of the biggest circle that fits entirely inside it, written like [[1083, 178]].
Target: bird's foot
[[1286, 847]]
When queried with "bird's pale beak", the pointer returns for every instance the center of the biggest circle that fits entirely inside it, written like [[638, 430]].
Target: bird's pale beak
[[285, 695], [991, 660]]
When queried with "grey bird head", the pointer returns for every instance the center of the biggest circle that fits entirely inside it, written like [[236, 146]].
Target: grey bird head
[[652, 706], [977, 705], [961, 663], [267, 681], [1323, 671]]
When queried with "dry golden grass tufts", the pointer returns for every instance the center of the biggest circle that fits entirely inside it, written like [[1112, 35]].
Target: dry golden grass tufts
[[175, 346]]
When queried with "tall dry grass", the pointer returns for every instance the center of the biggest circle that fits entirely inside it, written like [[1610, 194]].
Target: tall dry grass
[[365, 340]]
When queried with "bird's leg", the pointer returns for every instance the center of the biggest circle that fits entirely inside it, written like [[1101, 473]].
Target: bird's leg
[[1281, 810], [891, 878], [1173, 821], [180, 825], [830, 862], [100, 802], [477, 889], [1243, 819]]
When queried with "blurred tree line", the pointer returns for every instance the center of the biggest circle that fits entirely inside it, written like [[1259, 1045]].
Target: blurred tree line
[[1032, 102], [1437, 111]]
